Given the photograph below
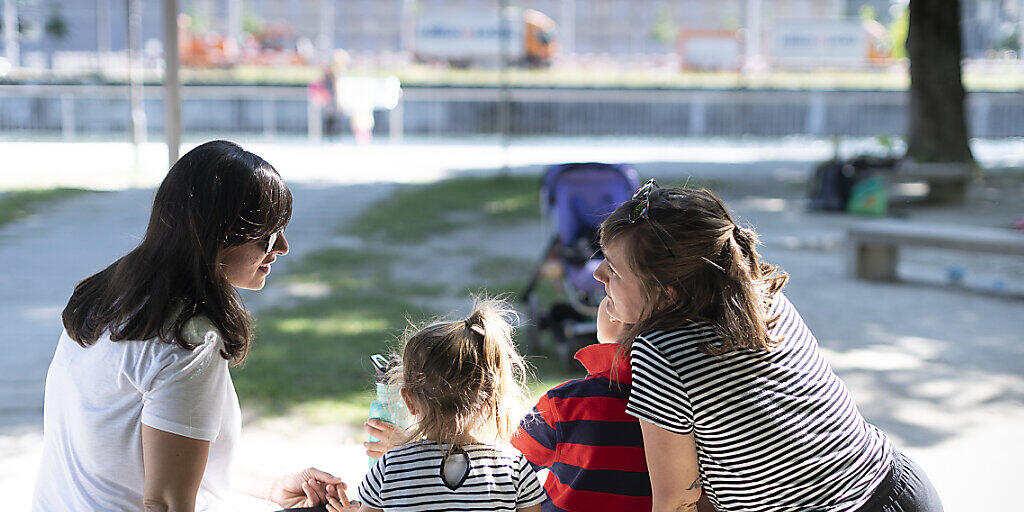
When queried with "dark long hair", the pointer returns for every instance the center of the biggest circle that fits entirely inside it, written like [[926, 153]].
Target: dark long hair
[[217, 195], [708, 261]]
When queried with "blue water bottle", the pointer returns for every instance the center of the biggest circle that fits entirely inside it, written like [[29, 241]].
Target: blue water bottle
[[388, 405]]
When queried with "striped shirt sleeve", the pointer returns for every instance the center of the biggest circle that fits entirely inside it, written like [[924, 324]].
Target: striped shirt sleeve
[[535, 437], [370, 488], [657, 395], [528, 489]]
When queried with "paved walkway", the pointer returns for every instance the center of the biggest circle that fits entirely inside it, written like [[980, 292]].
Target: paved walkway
[[937, 368]]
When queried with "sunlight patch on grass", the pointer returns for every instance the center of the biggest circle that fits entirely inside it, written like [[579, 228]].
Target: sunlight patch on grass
[[415, 213], [339, 325]]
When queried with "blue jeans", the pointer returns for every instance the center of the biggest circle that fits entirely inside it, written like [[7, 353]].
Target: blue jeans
[[905, 489]]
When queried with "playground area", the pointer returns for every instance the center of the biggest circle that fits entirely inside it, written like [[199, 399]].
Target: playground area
[[381, 233]]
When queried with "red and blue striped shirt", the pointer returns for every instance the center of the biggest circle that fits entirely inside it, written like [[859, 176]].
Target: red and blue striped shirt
[[581, 432]]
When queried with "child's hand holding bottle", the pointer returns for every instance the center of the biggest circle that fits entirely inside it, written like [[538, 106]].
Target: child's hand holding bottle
[[389, 434], [608, 328]]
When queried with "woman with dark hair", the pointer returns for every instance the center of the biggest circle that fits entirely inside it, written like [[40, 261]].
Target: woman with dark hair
[[731, 390], [140, 411]]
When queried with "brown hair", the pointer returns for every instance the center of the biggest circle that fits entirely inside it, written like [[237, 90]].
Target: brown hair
[[215, 196], [709, 263], [464, 373]]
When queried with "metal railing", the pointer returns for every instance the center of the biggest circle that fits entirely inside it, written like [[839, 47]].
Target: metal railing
[[454, 111]]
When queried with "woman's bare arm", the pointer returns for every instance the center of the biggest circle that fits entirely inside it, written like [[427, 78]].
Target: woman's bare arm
[[173, 467], [672, 463]]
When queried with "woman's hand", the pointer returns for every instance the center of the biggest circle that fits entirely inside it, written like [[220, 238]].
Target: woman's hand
[[390, 436], [608, 328], [307, 488]]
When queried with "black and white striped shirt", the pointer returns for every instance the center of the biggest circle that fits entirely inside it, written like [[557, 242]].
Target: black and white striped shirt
[[409, 478], [775, 430]]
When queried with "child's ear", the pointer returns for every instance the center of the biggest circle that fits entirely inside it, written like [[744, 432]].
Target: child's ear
[[409, 402]]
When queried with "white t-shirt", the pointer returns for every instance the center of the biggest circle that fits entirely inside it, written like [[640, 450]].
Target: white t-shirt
[[97, 399]]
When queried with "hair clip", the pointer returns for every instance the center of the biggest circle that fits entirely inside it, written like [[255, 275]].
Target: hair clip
[[713, 264]]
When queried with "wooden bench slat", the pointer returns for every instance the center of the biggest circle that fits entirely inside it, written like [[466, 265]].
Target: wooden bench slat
[[966, 238]]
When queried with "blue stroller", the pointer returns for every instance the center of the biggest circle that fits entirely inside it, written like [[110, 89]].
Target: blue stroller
[[576, 198]]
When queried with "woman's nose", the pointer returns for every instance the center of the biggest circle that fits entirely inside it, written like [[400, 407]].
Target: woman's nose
[[599, 273], [281, 247]]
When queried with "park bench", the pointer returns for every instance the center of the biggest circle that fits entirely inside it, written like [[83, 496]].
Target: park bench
[[874, 246], [947, 182]]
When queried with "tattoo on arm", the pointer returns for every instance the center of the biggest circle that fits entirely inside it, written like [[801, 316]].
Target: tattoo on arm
[[694, 485]]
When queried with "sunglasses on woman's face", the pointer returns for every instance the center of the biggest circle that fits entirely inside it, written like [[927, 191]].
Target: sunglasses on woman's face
[[271, 242], [642, 210]]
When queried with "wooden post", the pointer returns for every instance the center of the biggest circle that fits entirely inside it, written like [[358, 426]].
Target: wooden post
[[172, 81], [875, 262]]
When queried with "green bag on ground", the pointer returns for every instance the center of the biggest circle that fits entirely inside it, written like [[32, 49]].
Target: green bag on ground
[[869, 197]]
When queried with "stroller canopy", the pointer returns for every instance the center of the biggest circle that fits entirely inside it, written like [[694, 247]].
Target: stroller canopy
[[580, 196]]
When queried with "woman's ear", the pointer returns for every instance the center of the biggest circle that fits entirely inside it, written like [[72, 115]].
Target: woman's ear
[[409, 402]]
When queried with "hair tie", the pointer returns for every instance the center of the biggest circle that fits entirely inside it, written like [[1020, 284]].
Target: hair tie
[[477, 328]]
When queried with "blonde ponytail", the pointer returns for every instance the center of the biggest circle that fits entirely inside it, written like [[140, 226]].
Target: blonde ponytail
[[465, 373]]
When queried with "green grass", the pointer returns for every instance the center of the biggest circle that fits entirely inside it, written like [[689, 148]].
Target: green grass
[[22, 203], [312, 357], [610, 76], [415, 213]]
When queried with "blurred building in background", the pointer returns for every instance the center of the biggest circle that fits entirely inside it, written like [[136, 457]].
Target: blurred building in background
[[65, 34]]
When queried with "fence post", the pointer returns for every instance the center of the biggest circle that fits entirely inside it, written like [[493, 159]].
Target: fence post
[[67, 117], [396, 118], [815, 122], [314, 121], [979, 105], [698, 116], [269, 118]]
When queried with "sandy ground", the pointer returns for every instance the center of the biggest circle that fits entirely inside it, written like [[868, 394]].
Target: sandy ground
[[939, 368]]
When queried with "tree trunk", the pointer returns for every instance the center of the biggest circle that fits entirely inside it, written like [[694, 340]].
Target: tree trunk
[[938, 129]]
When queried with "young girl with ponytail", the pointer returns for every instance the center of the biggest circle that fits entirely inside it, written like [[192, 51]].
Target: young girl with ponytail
[[463, 383], [731, 390]]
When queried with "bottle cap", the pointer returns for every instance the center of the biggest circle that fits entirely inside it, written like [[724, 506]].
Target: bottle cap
[[383, 365]]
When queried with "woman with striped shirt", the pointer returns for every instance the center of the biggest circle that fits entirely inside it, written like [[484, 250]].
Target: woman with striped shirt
[[731, 390]]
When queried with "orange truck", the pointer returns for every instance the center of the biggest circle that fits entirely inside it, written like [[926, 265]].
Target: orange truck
[[466, 37]]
